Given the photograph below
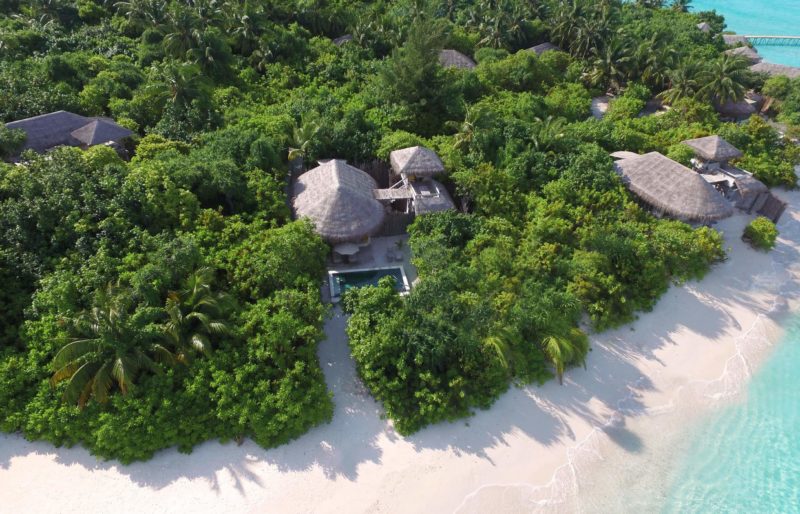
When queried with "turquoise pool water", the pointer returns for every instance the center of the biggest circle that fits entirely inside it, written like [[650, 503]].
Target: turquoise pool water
[[761, 17], [746, 458], [341, 281]]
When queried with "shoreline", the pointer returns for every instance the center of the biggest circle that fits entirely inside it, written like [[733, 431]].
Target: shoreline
[[533, 449], [630, 445]]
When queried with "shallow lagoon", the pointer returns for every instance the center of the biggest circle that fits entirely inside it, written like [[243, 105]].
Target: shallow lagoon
[[760, 17]]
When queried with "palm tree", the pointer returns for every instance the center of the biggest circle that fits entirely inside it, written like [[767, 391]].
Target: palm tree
[[680, 5], [181, 33], [725, 78], [502, 341], [655, 60], [143, 13], [547, 133], [610, 68], [179, 82], [303, 137], [466, 130], [194, 316], [683, 82], [564, 350], [112, 348]]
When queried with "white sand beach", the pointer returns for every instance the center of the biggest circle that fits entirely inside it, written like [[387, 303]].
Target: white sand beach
[[532, 450]]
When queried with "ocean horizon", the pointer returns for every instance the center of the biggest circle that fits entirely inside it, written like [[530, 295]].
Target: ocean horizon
[[776, 17]]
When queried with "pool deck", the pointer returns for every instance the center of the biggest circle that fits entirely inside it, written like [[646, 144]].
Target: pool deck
[[374, 256]]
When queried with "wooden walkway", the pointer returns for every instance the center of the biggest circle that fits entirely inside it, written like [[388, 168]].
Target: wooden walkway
[[774, 40]]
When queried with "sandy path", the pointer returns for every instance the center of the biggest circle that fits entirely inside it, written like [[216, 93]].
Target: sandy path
[[511, 457]]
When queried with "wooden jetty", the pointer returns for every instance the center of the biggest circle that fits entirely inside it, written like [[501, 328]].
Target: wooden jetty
[[760, 40]]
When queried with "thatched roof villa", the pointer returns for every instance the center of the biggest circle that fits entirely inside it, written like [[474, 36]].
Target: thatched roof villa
[[455, 59], [745, 51], [62, 128], [339, 41], [338, 199], [713, 149], [672, 189], [776, 69], [734, 39], [748, 193], [547, 46], [623, 154]]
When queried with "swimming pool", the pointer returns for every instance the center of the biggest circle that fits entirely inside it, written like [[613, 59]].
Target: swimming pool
[[341, 281]]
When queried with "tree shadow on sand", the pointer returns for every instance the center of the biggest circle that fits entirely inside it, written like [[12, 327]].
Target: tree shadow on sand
[[611, 387]]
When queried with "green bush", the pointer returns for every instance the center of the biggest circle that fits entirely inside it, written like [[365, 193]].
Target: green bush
[[761, 233], [11, 141]]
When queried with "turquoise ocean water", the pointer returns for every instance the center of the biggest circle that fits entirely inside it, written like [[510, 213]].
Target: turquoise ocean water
[[746, 457], [761, 17]]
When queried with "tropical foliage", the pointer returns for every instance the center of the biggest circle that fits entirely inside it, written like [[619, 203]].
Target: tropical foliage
[[169, 299], [761, 233]]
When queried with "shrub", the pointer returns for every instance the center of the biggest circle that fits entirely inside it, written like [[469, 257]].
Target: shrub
[[761, 233], [11, 140]]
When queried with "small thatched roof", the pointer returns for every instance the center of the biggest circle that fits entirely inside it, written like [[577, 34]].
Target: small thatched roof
[[704, 27], [339, 41], [749, 185], [416, 161], [430, 196], [746, 52], [455, 59], [734, 39], [547, 46], [100, 131], [776, 69], [672, 188], [713, 148], [624, 155], [338, 199], [743, 109]]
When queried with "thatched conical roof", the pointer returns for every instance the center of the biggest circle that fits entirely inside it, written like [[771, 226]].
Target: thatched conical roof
[[713, 148], [544, 47], [734, 39], [746, 52], [455, 59], [417, 161], [338, 199], [339, 41], [776, 69], [622, 154], [100, 131], [672, 188]]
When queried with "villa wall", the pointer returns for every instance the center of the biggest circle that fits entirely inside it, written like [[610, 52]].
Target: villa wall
[[396, 224]]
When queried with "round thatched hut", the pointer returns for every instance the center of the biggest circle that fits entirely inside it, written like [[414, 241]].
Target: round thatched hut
[[673, 189], [547, 46], [455, 59], [713, 149], [704, 27], [338, 199], [416, 161]]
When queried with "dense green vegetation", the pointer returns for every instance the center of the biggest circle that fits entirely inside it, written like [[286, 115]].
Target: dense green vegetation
[[761, 233], [170, 299]]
